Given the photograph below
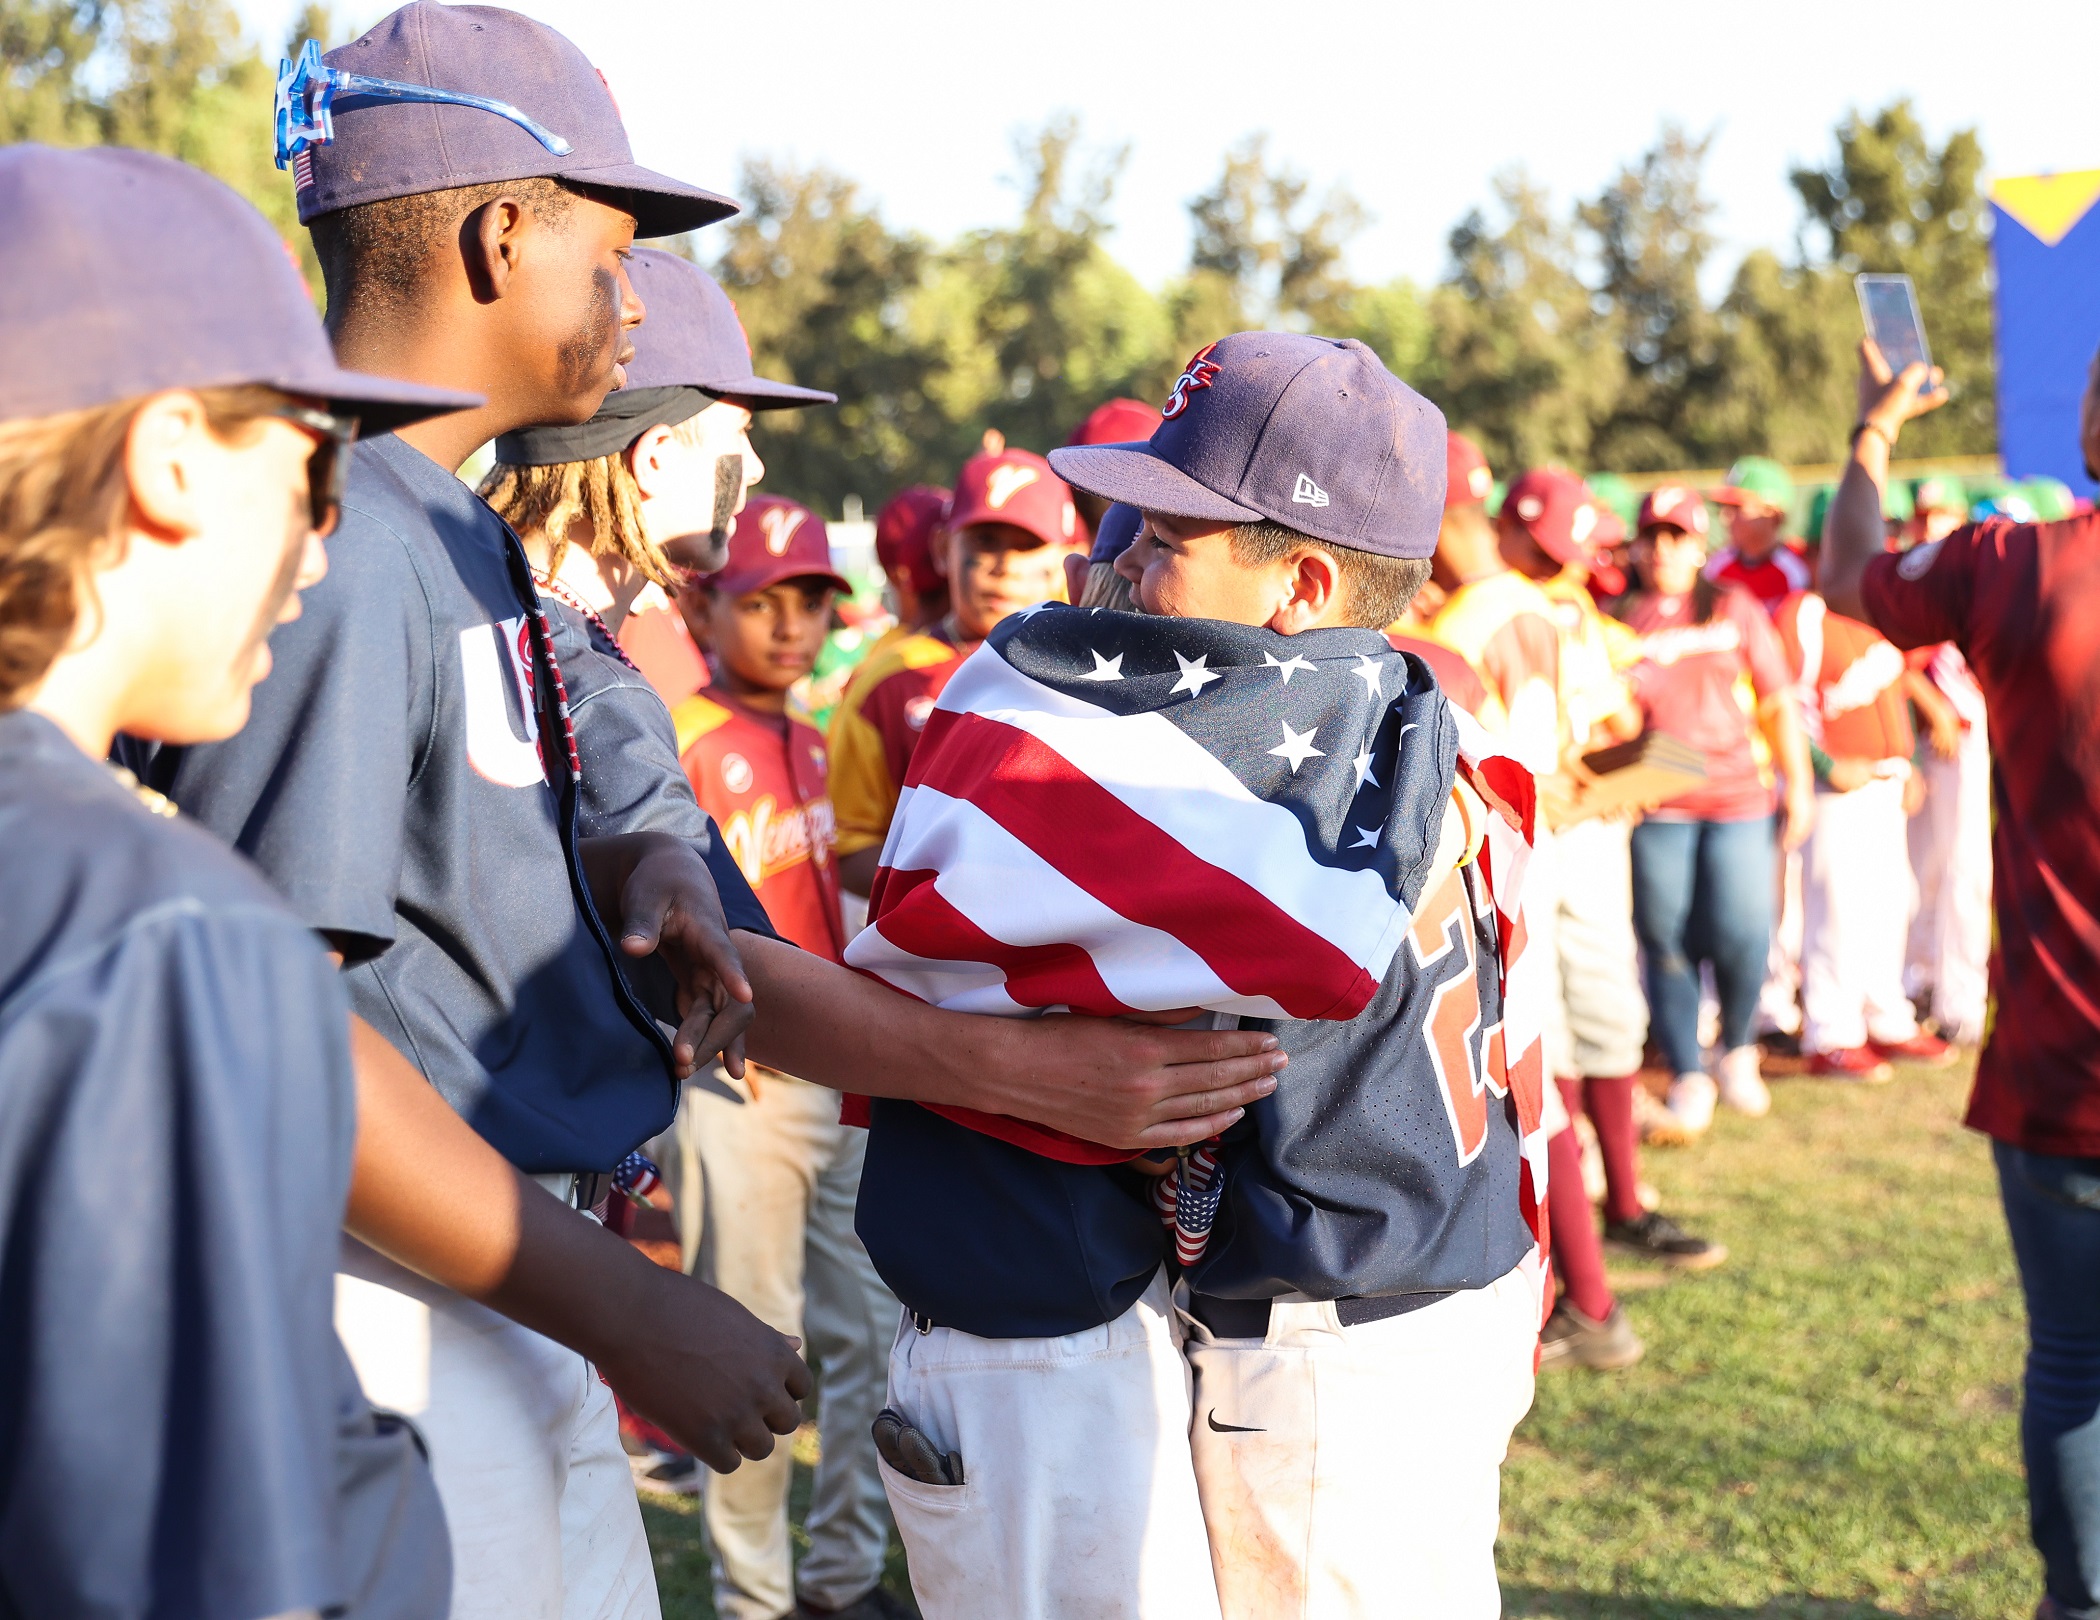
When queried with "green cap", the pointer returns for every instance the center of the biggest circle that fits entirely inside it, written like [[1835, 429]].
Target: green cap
[[1494, 500], [1818, 510], [2050, 497], [1896, 504], [1758, 476], [1939, 493], [1613, 491]]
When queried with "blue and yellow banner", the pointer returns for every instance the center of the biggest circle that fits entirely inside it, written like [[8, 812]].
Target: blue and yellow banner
[[2046, 249]]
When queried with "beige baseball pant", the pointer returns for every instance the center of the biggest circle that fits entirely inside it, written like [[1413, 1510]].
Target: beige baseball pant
[[764, 1184]]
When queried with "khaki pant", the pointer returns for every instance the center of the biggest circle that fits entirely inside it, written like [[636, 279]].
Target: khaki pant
[[765, 1179], [1597, 1025]]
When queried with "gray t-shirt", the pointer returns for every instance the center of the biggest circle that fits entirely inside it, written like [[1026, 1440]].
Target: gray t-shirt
[[404, 781], [180, 1432]]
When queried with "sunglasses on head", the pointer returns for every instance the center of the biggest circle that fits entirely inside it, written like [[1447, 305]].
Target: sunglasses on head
[[328, 467], [308, 88]]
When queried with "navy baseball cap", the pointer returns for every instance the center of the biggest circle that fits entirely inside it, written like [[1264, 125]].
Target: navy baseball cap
[[374, 142], [123, 273], [689, 351], [1119, 526], [692, 337], [1310, 432]]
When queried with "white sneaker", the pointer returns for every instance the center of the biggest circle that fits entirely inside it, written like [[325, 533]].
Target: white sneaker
[[1691, 1102], [1743, 1083]]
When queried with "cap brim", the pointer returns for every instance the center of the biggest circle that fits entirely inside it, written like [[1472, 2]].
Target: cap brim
[[764, 394], [661, 206], [759, 579], [1133, 474], [1729, 495], [381, 404]]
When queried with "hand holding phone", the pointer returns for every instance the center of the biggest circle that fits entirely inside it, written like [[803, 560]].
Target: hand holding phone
[[1890, 305]]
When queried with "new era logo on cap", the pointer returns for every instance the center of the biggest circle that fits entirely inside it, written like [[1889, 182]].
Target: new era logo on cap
[[1308, 493]]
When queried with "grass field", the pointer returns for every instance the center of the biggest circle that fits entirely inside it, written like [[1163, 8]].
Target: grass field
[[1825, 1427]]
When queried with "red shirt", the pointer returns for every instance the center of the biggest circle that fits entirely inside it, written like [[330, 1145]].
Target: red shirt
[[763, 781], [1851, 681], [1688, 684], [2022, 602], [1783, 572]]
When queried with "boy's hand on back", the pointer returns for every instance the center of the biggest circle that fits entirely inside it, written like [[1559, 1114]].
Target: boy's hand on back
[[1118, 1082]]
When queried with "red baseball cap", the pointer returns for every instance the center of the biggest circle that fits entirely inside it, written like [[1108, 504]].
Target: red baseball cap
[[1120, 421], [1674, 506], [776, 539], [1557, 510], [1016, 487], [904, 534], [1466, 474]]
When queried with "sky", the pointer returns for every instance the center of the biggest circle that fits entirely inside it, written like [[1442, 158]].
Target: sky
[[1414, 108]]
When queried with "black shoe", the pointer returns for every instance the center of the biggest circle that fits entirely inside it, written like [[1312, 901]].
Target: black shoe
[[877, 1603], [1655, 1236], [1571, 1339]]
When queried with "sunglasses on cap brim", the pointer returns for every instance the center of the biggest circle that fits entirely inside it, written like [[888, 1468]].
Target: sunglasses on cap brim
[[307, 90], [328, 468]]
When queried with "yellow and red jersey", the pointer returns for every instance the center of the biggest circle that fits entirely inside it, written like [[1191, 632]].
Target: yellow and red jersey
[[765, 783], [875, 728]]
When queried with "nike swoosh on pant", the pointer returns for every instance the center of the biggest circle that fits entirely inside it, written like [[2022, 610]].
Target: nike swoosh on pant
[[1229, 1428]]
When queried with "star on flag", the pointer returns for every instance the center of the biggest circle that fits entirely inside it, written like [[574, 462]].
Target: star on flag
[[1297, 746], [1362, 762], [1105, 669], [1366, 838], [1028, 613], [1287, 666], [1371, 673], [1195, 675]]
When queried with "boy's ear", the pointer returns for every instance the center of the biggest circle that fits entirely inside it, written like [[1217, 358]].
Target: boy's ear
[[1314, 583], [645, 459]]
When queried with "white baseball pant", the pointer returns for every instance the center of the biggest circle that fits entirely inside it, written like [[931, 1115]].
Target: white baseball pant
[[524, 1443], [1950, 855], [1148, 1470], [1855, 913]]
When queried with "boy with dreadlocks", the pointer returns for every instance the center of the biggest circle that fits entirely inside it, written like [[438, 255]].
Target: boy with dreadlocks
[[765, 1176]]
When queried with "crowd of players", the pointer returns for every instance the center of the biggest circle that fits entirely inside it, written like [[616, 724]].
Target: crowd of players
[[601, 790]]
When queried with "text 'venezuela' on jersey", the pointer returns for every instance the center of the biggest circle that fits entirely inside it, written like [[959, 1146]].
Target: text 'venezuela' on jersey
[[175, 1139], [763, 781], [2022, 604], [1113, 811], [391, 783], [875, 729]]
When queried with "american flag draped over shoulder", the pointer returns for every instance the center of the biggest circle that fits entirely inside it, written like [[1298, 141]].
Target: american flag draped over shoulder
[[1112, 812]]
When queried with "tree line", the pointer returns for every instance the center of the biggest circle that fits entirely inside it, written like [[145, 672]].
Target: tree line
[[1579, 333]]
